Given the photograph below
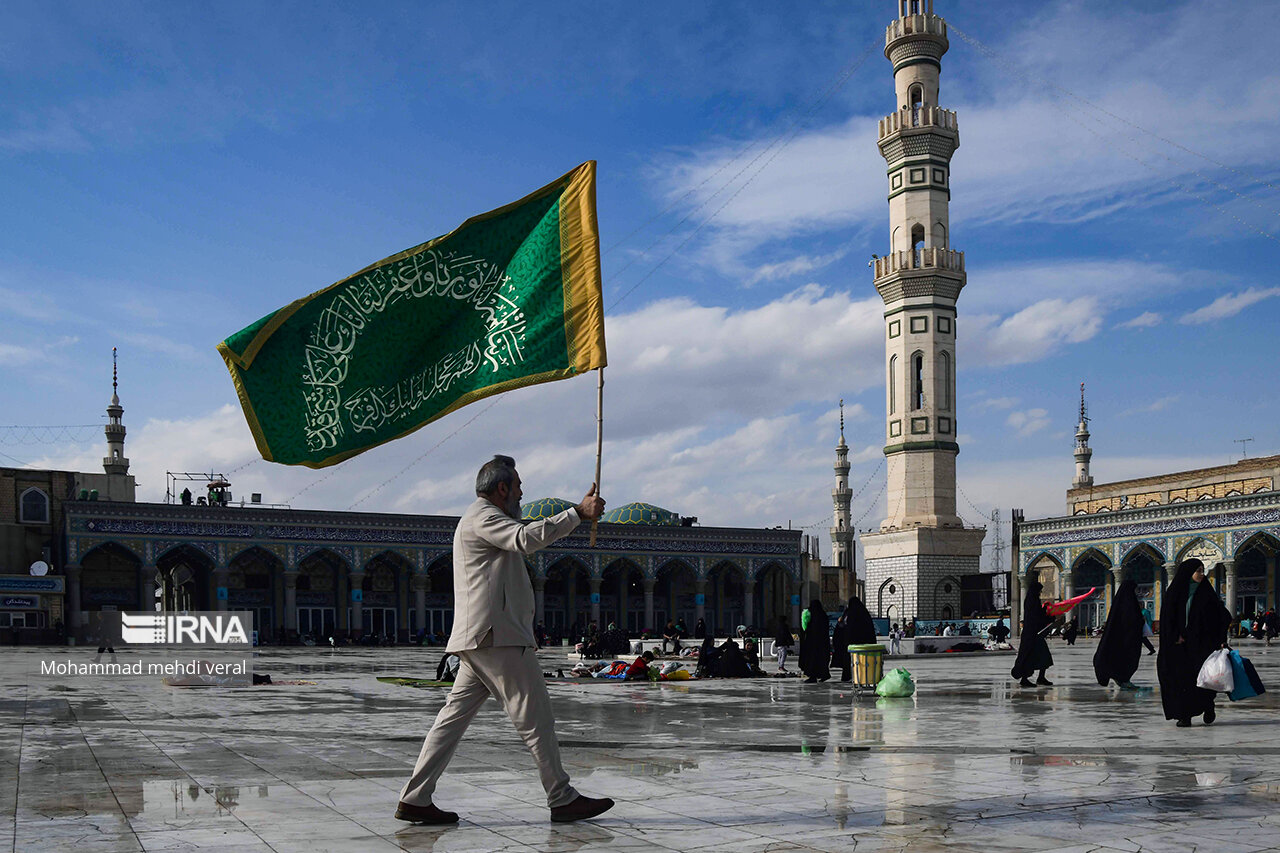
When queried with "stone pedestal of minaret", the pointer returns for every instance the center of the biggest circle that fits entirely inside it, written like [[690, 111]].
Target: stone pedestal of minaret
[[915, 561]]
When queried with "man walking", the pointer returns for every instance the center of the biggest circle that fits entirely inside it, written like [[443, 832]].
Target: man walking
[[493, 637]]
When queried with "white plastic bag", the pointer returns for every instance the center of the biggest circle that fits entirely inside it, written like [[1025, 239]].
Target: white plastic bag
[[1216, 675]]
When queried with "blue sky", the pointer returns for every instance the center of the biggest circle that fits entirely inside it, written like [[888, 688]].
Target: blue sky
[[172, 172]]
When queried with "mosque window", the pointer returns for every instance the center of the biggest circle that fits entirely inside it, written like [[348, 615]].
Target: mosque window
[[34, 507], [893, 385], [917, 244], [944, 379], [917, 381]]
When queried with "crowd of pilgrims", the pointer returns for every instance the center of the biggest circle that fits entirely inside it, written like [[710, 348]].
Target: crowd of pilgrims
[[1194, 623], [823, 647]]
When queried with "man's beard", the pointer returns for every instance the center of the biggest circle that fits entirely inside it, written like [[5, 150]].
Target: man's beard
[[513, 507]]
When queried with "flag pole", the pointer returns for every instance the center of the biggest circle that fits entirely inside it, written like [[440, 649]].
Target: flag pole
[[599, 441]]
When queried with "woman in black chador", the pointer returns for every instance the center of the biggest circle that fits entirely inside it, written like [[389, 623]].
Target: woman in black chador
[[854, 627], [1120, 648], [815, 645], [1033, 649], [1193, 624]]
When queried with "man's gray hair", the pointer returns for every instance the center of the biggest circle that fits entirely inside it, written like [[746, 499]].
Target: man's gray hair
[[495, 472]]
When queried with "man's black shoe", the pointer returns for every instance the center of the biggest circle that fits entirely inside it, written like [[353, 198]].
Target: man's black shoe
[[428, 815], [1209, 716], [583, 808]]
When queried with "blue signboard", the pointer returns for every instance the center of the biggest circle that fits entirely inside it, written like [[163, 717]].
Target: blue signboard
[[25, 583], [699, 599], [222, 593], [27, 602], [357, 595], [595, 598], [795, 599]]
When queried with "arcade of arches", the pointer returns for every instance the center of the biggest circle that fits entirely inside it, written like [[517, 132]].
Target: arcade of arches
[[318, 573], [1237, 538]]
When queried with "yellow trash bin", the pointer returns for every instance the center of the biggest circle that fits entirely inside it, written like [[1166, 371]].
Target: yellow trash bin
[[868, 664]]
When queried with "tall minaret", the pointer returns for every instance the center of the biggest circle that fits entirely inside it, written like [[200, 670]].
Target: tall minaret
[[1083, 452], [922, 540], [115, 461], [841, 532]]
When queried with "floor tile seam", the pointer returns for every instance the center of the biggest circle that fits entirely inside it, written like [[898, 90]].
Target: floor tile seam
[[98, 764], [17, 765], [185, 773], [1067, 807]]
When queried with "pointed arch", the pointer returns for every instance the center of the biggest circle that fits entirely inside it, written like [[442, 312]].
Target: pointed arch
[[1154, 551], [33, 506], [1261, 540]]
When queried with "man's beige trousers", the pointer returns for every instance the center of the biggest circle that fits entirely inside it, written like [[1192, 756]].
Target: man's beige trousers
[[512, 675]]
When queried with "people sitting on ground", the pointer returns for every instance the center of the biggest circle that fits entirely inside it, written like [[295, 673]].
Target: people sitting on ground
[[639, 669], [751, 652], [614, 641], [708, 659], [733, 663], [998, 632], [670, 637], [965, 630], [700, 630]]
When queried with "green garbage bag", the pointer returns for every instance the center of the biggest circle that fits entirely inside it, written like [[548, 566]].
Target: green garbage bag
[[896, 684]]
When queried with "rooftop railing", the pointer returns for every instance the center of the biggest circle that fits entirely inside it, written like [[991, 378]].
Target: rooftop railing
[[919, 259], [914, 25], [927, 116]]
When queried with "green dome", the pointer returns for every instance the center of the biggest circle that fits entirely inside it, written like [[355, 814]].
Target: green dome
[[641, 513], [544, 508]]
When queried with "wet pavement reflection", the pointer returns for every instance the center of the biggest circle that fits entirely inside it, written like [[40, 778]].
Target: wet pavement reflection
[[971, 762]]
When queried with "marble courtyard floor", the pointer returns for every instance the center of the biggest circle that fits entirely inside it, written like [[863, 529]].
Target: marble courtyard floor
[[971, 763]]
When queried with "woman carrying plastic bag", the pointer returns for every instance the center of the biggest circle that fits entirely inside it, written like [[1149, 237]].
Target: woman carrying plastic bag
[[1193, 625]]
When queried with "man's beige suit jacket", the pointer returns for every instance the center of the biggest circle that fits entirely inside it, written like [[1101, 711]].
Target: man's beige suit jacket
[[491, 588]]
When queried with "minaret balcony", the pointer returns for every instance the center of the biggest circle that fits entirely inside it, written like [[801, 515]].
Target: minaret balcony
[[919, 117], [914, 25], [919, 259]]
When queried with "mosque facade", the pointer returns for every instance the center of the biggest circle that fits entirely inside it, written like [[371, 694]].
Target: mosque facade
[[319, 573], [1227, 516], [915, 560]]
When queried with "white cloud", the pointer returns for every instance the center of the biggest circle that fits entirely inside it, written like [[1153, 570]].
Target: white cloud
[[996, 403], [1030, 334], [1145, 320], [1032, 152], [796, 266], [1229, 305], [1028, 422], [1154, 406]]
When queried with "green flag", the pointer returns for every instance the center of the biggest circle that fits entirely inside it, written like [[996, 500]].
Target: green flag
[[510, 298]]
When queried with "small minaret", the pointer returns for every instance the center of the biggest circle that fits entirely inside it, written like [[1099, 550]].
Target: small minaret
[[115, 461], [841, 533], [1084, 453]]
